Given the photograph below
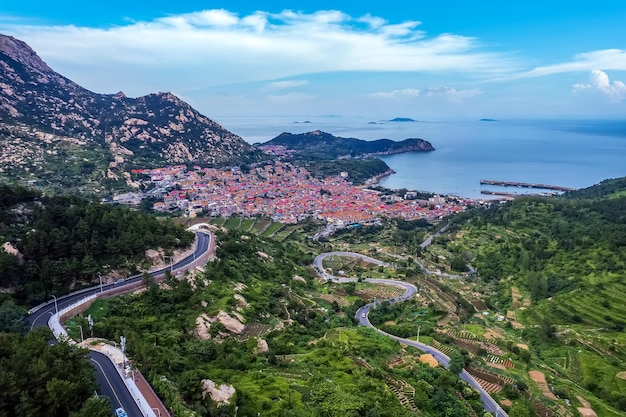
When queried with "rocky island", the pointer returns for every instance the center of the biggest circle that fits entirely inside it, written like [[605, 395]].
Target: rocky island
[[321, 145]]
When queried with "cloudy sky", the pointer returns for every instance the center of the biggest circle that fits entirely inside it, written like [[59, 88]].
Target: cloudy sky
[[428, 60]]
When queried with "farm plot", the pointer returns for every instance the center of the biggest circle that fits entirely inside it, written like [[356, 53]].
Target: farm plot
[[341, 301], [255, 330], [379, 292], [272, 229], [285, 232], [232, 223], [350, 266], [260, 225], [246, 224], [491, 382]]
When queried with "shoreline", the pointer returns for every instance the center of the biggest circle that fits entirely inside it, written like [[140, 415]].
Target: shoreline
[[376, 179]]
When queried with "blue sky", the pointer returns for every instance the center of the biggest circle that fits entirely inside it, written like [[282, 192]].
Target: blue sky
[[428, 60]]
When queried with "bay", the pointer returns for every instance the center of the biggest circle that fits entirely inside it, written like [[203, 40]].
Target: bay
[[568, 153]]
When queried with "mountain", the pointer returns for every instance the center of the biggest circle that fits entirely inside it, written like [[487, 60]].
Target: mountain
[[43, 114], [322, 145]]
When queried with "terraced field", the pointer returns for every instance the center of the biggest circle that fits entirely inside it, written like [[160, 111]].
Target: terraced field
[[271, 229]]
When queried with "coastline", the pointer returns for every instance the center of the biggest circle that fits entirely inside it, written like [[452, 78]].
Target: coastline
[[376, 179]]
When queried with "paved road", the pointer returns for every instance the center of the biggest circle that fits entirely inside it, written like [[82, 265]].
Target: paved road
[[111, 383], [430, 239], [40, 316], [362, 315]]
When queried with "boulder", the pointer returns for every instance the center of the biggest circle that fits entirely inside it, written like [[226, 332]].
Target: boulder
[[219, 395], [261, 346], [153, 256], [230, 323]]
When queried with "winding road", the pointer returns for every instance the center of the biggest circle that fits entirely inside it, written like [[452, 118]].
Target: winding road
[[362, 315], [108, 377]]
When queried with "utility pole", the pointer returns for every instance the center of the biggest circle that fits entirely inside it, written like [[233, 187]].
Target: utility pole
[[56, 306], [418, 333], [123, 347], [90, 321], [100, 278]]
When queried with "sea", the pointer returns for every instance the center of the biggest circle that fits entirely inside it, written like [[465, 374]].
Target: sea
[[566, 153]]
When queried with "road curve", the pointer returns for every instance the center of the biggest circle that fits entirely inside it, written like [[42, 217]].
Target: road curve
[[111, 384], [362, 316]]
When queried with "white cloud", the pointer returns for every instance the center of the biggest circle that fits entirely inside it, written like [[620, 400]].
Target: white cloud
[[373, 21], [280, 85], [217, 47], [607, 59], [407, 92], [290, 97], [452, 94], [616, 91]]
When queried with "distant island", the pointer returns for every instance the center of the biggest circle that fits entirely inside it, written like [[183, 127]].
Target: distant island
[[487, 120], [402, 119]]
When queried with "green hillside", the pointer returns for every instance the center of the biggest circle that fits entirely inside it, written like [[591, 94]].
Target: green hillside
[[318, 363], [558, 266], [65, 241]]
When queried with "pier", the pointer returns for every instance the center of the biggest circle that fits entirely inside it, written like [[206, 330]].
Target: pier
[[525, 185]]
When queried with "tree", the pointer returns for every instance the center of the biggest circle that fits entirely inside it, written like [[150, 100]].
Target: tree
[[457, 363], [11, 317], [519, 409]]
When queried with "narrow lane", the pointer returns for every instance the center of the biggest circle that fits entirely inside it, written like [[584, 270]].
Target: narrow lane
[[362, 316]]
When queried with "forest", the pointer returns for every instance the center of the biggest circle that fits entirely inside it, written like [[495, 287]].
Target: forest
[[38, 379], [359, 170], [65, 241]]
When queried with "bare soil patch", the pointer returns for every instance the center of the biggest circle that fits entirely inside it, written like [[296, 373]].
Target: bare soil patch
[[542, 384], [496, 365], [517, 297], [585, 410], [492, 334]]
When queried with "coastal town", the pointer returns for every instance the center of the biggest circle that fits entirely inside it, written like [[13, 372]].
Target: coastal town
[[282, 191]]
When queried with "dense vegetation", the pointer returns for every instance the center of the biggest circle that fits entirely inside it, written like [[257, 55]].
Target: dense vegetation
[[318, 363], [359, 170], [64, 241], [319, 145], [569, 256], [38, 379], [559, 247]]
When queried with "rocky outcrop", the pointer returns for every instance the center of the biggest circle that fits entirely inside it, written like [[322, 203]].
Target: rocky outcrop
[[221, 395], [203, 327], [12, 250], [261, 346], [153, 256], [231, 324]]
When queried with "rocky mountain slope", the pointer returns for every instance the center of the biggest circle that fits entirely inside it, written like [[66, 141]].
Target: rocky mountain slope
[[43, 113], [322, 145]]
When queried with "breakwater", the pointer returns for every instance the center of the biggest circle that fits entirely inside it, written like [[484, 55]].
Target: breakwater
[[525, 185]]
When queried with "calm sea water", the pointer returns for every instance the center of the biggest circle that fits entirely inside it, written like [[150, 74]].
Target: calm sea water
[[567, 153]]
